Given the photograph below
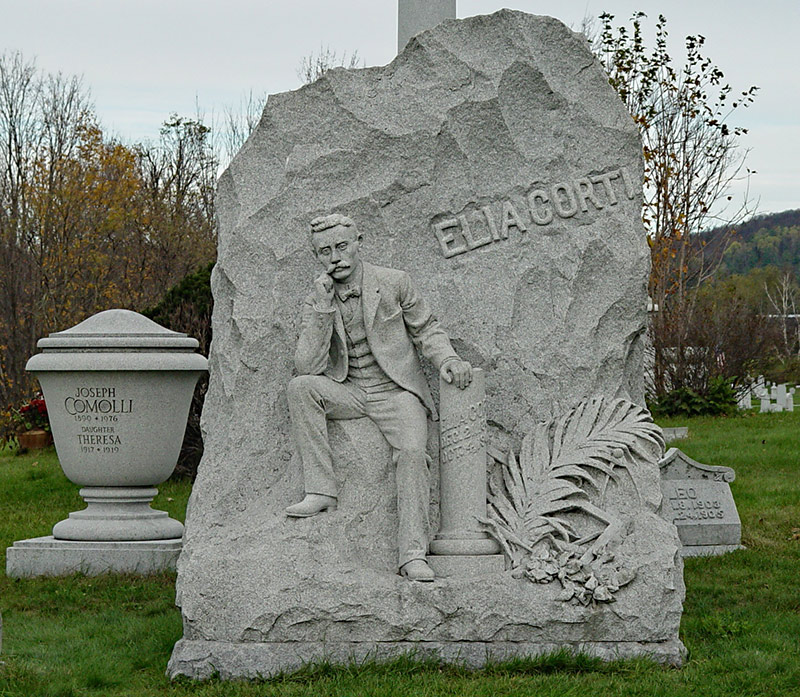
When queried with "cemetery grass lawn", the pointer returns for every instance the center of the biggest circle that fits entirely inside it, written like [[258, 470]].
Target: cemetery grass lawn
[[113, 635]]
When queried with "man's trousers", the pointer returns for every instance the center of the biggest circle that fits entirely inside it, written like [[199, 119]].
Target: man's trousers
[[403, 421]]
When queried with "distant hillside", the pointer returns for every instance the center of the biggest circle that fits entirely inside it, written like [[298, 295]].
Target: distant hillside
[[765, 240], [766, 221]]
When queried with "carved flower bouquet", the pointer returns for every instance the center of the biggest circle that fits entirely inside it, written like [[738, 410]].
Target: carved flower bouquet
[[564, 467]]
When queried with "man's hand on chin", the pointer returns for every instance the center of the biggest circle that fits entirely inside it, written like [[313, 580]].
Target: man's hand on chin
[[323, 292], [456, 371]]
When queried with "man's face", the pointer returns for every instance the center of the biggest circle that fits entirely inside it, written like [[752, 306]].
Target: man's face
[[337, 249]]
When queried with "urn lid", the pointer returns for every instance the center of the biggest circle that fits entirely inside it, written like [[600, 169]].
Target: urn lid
[[118, 330]]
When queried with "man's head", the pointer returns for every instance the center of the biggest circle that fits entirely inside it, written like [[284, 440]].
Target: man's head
[[336, 242]]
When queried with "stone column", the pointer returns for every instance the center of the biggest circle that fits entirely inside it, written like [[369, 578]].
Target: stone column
[[462, 467], [414, 16]]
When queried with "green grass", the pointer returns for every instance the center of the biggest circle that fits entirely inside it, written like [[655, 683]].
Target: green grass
[[112, 635]]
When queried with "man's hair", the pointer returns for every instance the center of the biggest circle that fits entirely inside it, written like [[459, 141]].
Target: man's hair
[[328, 221]]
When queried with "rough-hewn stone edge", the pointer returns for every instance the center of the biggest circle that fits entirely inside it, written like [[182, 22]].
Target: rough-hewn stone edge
[[708, 550], [202, 659]]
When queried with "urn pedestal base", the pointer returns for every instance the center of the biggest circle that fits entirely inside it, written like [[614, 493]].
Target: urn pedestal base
[[47, 556], [118, 514]]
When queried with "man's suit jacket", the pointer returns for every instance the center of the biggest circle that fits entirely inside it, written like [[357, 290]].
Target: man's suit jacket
[[397, 320]]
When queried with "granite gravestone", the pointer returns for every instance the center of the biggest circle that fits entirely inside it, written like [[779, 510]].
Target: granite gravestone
[[698, 500], [491, 161], [118, 388]]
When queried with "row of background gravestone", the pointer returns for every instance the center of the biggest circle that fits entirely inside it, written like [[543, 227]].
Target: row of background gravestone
[[773, 398]]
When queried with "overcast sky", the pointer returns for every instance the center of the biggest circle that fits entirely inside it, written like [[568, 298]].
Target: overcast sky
[[144, 59]]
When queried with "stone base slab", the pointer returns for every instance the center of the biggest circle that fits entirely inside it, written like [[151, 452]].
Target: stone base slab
[[200, 659], [47, 556], [466, 566], [708, 550]]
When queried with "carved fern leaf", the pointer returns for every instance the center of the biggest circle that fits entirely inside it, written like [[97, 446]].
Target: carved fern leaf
[[600, 435], [529, 497]]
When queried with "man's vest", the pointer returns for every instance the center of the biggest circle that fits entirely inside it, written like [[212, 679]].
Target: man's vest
[[363, 369]]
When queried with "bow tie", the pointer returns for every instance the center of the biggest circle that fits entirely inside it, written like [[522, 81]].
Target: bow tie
[[352, 292]]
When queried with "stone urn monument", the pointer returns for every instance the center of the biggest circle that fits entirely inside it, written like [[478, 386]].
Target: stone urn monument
[[118, 388]]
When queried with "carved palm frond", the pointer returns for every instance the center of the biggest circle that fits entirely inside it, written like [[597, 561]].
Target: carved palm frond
[[560, 464]]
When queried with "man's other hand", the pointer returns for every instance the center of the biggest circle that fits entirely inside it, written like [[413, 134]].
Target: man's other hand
[[458, 372], [323, 291]]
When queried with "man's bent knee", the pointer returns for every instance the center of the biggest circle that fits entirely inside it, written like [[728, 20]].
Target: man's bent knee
[[303, 386]]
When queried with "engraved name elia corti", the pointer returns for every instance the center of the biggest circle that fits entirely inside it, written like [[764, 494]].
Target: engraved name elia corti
[[361, 328], [474, 227]]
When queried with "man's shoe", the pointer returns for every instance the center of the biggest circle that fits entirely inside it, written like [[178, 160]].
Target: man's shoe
[[311, 505], [417, 570]]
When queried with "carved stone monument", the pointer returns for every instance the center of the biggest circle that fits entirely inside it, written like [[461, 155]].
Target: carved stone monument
[[698, 500], [493, 163], [118, 388]]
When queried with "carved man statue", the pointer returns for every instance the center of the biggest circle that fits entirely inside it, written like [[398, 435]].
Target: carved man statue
[[356, 357]]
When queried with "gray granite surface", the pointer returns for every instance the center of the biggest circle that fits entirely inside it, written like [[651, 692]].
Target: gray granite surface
[[47, 556], [492, 161]]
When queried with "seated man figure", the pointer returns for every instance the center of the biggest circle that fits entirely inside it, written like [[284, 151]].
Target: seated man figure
[[356, 357]]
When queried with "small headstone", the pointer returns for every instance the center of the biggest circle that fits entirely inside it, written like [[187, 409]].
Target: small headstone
[[780, 396], [745, 400], [675, 433], [698, 500]]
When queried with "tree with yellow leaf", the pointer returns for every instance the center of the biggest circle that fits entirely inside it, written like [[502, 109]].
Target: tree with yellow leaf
[[691, 160], [88, 223]]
